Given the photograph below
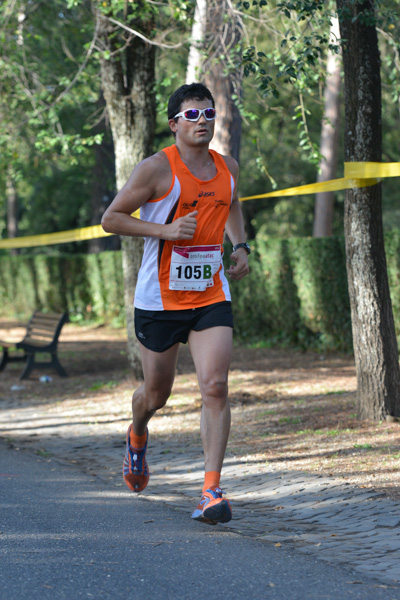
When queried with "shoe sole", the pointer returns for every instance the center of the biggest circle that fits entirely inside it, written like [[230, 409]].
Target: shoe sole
[[218, 513]]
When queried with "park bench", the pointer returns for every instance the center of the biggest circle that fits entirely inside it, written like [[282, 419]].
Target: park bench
[[42, 333]]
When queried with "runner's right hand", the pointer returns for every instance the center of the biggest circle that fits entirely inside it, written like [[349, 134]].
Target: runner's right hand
[[183, 228]]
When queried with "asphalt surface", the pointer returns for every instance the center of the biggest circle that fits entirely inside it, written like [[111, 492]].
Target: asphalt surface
[[64, 535]]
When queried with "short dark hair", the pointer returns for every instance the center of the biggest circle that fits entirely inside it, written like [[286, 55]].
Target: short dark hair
[[192, 91]]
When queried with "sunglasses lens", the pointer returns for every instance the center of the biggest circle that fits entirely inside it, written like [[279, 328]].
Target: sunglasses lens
[[210, 113], [192, 114]]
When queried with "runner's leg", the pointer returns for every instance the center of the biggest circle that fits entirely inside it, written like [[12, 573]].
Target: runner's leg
[[211, 350], [159, 373]]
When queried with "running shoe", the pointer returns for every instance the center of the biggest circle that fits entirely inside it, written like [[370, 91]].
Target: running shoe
[[213, 508], [135, 470]]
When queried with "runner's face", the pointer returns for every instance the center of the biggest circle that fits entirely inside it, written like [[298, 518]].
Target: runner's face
[[197, 133]]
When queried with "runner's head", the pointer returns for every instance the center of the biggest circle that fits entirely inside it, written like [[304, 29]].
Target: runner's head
[[193, 91]]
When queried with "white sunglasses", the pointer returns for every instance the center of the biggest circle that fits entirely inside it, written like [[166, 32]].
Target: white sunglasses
[[194, 114]]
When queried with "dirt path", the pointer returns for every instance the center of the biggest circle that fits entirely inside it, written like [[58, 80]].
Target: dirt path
[[290, 410]]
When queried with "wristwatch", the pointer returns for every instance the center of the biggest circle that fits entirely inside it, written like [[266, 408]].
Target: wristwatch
[[242, 245]]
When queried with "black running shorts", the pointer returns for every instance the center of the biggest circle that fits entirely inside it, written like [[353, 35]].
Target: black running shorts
[[158, 330]]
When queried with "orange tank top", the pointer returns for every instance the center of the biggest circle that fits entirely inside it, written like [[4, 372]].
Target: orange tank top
[[185, 274]]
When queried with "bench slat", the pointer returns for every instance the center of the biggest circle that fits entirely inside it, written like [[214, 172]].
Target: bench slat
[[43, 324], [47, 332], [37, 338]]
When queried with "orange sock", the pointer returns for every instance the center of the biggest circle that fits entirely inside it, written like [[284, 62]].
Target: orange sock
[[138, 441], [211, 480]]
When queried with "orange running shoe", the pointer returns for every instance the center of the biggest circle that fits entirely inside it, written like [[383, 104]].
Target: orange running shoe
[[135, 470], [213, 508]]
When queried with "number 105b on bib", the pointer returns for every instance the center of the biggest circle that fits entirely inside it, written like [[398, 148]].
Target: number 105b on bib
[[193, 267]]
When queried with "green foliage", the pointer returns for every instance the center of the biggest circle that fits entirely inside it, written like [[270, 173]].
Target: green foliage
[[48, 93], [392, 247], [301, 46], [320, 275], [88, 286], [40, 53], [296, 294]]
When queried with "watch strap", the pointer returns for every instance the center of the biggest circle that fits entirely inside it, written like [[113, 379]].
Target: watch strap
[[242, 245]]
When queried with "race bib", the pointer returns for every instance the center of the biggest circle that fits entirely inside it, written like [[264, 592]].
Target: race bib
[[193, 267]]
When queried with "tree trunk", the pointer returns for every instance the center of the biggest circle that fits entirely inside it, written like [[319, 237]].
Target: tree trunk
[[128, 86], [195, 58], [374, 339], [12, 208], [228, 125], [324, 201], [215, 33], [103, 185], [223, 33]]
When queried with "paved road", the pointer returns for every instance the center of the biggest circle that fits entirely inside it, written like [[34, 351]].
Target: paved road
[[65, 536]]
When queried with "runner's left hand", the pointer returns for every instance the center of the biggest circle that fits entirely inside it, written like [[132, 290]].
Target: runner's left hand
[[241, 268]]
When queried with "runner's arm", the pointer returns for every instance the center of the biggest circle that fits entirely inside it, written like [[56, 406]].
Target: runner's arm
[[145, 183], [235, 229]]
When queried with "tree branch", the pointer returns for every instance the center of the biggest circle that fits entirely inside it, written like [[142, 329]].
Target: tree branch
[[145, 39]]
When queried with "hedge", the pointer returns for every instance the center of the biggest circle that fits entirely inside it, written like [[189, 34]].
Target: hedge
[[86, 285], [295, 295]]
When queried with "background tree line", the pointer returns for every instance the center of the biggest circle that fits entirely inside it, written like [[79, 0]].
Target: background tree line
[[57, 153]]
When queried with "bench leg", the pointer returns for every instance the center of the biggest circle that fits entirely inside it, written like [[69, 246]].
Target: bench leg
[[57, 365], [4, 359], [29, 366], [32, 364]]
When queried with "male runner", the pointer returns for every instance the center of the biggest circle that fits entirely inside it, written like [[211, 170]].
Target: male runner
[[187, 195]]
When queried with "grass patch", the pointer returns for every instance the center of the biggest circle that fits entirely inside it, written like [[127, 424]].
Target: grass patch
[[363, 446], [100, 385], [290, 420]]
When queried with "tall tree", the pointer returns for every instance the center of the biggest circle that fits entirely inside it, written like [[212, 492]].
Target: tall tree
[[127, 74], [216, 33], [222, 75], [199, 31], [103, 185], [329, 144], [375, 345]]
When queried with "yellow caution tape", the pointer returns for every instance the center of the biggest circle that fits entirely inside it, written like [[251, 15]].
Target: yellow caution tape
[[357, 174], [61, 237], [364, 170], [332, 185]]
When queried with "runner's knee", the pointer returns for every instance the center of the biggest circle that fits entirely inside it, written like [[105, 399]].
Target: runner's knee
[[157, 398], [215, 392], [152, 398]]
